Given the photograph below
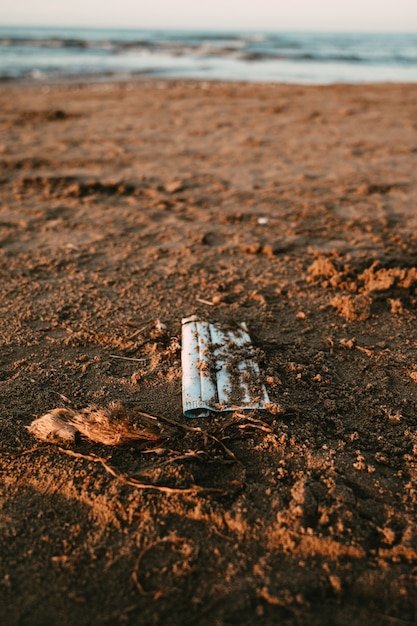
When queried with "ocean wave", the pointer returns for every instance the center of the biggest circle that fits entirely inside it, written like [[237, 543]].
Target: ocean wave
[[238, 48], [40, 53]]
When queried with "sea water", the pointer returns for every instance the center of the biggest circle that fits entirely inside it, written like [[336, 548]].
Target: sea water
[[308, 58]]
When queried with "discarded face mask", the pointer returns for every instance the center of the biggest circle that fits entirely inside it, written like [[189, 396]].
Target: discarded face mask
[[219, 372]]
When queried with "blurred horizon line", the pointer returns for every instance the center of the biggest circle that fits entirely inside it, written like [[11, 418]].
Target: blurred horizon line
[[219, 29]]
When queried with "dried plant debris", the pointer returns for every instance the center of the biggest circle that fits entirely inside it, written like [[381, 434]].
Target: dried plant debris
[[110, 426]]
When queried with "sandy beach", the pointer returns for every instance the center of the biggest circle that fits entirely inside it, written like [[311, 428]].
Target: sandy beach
[[126, 207]]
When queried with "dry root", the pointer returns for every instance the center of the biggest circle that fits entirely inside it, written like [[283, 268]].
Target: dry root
[[109, 426]]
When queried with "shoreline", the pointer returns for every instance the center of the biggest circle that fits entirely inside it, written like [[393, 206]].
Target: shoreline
[[140, 77]]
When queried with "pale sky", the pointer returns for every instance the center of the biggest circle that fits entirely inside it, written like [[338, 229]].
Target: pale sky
[[316, 15]]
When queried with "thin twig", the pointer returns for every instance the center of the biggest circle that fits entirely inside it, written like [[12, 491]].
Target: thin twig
[[133, 324], [225, 448], [128, 358], [23, 453], [219, 534], [366, 350], [180, 457], [253, 423], [202, 301], [183, 457], [135, 574], [193, 429], [140, 330], [255, 427], [135, 483]]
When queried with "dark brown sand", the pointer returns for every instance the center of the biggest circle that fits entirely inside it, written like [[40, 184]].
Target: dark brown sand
[[290, 208]]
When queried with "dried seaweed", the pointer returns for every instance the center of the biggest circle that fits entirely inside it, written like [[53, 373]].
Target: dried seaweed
[[109, 426]]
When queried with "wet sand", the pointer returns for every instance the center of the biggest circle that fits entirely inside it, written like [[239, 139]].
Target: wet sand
[[127, 207]]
